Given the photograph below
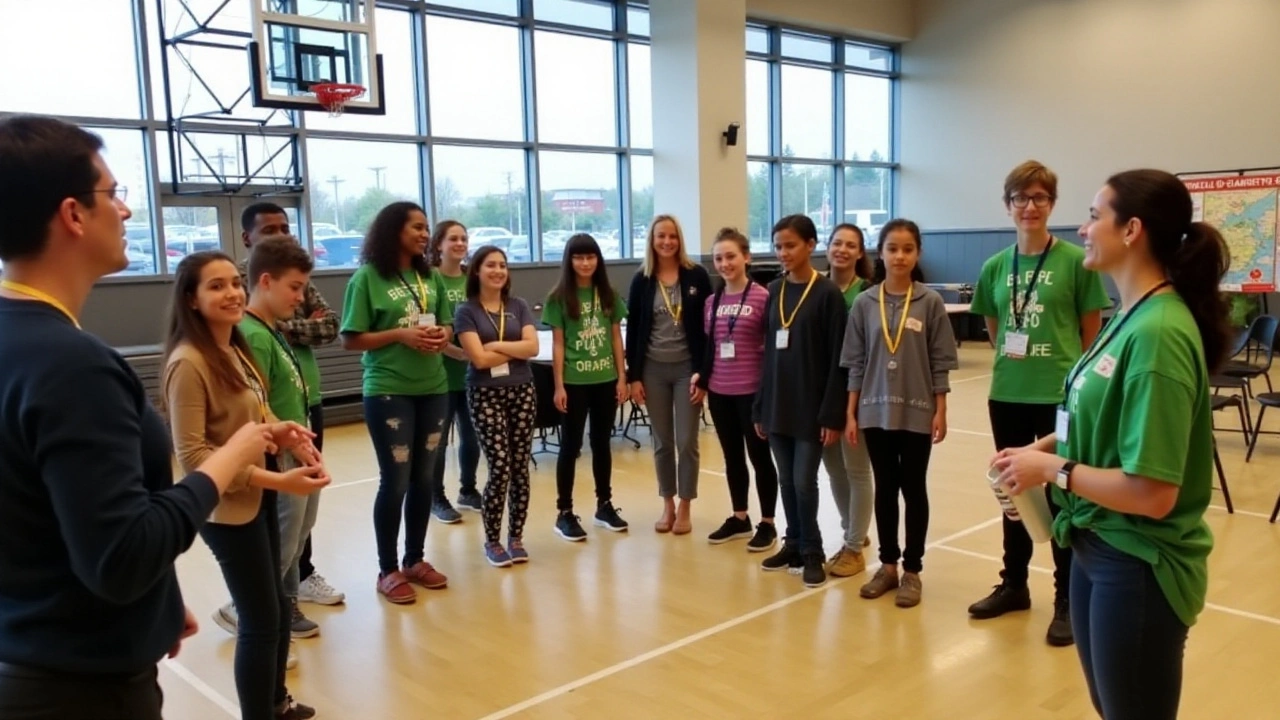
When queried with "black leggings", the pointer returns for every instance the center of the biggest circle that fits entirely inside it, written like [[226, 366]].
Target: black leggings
[[1016, 425], [900, 459], [732, 417], [35, 694], [600, 401], [249, 556]]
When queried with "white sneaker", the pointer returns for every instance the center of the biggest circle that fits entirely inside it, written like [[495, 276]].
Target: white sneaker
[[226, 618], [292, 661], [316, 590]]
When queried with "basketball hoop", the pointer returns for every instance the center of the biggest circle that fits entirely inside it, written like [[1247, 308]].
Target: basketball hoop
[[335, 96]]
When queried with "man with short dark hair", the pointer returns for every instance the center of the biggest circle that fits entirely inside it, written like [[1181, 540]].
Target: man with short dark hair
[[313, 324], [90, 519]]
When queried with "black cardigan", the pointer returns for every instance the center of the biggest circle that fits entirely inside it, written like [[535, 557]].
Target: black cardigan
[[695, 289]]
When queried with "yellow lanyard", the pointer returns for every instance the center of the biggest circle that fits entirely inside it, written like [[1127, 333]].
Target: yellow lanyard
[[422, 288], [677, 312], [902, 322], [595, 298], [260, 391], [782, 300], [42, 296], [501, 325]]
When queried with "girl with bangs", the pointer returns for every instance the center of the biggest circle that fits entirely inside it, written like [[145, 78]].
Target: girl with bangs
[[666, 340], [585, 314]]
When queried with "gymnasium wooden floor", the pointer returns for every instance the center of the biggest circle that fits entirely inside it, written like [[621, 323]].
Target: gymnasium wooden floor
[[641, 625]]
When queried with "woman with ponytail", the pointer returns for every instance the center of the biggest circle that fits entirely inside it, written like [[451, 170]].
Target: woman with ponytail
[[1132, 458]]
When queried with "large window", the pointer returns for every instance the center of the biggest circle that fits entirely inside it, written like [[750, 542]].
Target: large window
[[819, 131], [526, 120]]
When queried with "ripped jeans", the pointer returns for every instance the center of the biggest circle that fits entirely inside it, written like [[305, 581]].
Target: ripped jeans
[[406, 432]]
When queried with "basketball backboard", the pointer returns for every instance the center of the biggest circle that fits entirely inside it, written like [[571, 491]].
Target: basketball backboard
[[298, 44]]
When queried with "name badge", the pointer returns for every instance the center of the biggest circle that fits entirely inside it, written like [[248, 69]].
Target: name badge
[[1015, 344], [1062, 425], [782, 339], [726, 351], [502, 370], [427, 320], [914, 325]]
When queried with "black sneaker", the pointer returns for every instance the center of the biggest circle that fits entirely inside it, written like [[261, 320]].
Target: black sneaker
[[608, 518], [734, 528], [814, 574], [444, 512], [785, 559], [1060, 634], [1005, 598], [470, 500], [765, 538], [568, 527]]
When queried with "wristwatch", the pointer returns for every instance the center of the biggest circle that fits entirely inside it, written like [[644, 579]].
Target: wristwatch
[[1064, 475]]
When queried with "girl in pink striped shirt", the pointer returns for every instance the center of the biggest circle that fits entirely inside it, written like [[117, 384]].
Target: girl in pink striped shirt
[[735, 324]]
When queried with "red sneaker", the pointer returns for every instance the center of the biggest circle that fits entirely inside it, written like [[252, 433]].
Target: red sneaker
[[395, 586], [421, 573]]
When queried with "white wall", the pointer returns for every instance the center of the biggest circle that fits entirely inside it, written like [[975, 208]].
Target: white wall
[[1088, 87], [889, 20]]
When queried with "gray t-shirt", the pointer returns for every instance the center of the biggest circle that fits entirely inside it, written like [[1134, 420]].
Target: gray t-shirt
[[897, 390], [472, 317], [667, 340]]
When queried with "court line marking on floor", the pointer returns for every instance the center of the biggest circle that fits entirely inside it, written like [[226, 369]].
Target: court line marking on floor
[[202, 687], [1212, 606], [965, 380], [616, 668]]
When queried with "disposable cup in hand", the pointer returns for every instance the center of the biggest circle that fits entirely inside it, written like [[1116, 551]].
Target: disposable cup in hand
[[1029, 507]]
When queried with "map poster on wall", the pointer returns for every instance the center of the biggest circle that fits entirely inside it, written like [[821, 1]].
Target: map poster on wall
[[1244, 209]]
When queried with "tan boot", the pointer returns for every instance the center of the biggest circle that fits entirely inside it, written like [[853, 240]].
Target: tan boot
[[847, 563]]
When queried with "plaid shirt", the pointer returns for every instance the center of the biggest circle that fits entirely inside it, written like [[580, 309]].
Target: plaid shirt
[[304, 329]]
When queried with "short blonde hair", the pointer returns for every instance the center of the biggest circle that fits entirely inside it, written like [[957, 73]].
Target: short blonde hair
[[1027, 174], [650, 265]]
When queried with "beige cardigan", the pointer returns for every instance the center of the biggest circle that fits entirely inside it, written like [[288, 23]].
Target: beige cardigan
[[203, 416]]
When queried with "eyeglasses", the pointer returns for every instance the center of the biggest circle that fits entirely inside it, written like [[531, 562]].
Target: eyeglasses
[[119, 192], [1040, 201]]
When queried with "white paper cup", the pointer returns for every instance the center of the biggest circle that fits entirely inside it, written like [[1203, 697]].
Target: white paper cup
[[1030, 507]]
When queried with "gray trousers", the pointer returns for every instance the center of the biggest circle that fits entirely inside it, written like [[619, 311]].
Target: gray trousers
[[674, 423], [849, 469], [297, 516]]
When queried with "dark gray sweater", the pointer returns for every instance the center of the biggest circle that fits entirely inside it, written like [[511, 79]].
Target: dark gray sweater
[[900, 398], [802, 386]]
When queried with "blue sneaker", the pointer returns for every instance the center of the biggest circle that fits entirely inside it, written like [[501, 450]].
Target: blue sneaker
[[515, 548], [497, 555]]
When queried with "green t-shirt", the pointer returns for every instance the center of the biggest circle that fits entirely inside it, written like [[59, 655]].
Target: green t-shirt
[[1141, 404], [310, 372], [373, 303], [455, 289], [588, 341], [851, 292], [288, 391], [1064, 292]]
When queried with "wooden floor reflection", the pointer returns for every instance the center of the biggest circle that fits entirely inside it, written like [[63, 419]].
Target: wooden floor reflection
[[641, 625]]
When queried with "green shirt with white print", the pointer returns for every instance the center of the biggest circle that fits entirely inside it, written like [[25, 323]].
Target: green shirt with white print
[[374, 303]]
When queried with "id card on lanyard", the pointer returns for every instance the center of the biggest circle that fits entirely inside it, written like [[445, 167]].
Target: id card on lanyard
[[1017, 340], [1062, 425], [727, 349], [499, 327], [421, 298]]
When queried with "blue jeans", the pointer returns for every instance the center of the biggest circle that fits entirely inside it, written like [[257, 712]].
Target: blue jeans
[[468, 446], [1129, 639], [798, 462], [297, 516], [406, 432], [249, 556]]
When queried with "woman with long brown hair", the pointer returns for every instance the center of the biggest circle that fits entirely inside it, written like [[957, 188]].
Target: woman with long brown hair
[[211, 389], [447, 253]]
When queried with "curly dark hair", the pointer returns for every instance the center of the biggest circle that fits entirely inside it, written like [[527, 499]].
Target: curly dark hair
[[382, 241]]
